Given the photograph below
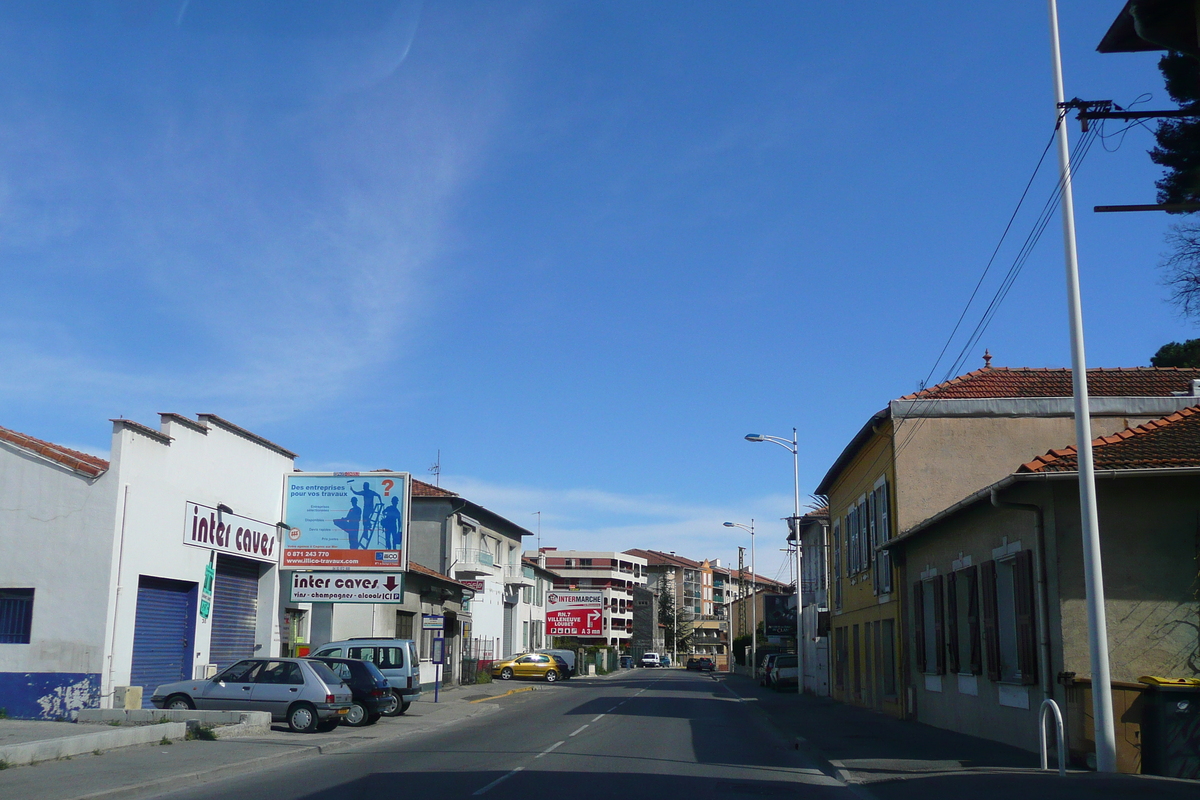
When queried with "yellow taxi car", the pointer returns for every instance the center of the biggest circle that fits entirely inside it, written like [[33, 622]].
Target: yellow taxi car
[[527, 665]]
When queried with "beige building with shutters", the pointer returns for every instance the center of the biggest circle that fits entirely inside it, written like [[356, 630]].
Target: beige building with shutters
[[996, 618]]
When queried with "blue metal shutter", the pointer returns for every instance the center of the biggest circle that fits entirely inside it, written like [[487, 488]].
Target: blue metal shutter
[[235, 610], [163, 634]]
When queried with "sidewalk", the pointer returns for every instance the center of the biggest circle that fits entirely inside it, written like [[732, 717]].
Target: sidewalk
[[890, 758], [133, 771]]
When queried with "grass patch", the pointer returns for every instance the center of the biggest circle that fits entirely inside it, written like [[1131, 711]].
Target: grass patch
[[116, 723], [4, 764], [165, 740], [3, 713], [97, 752], [204, 733], [483, 677]]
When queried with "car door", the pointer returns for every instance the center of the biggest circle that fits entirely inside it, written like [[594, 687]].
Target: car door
[[277, 685], [523, 667], [230, 690]]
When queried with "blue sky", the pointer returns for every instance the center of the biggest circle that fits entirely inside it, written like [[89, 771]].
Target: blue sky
[[579, 248]]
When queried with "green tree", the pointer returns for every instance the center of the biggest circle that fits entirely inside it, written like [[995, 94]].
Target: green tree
[[1178, 151], [1178, 354], [676, 632]]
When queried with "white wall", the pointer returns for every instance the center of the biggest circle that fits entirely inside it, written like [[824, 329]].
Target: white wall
[[155, 481]]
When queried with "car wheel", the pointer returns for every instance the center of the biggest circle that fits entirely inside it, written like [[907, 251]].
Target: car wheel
[[372, 719], [404, 707], [390, 707], [551, 675], [179, 702], [506, 674], [302, 718], [356, 717]]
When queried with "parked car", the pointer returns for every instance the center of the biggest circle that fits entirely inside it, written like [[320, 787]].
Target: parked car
[[650, 660], [784, 673], [665, 661], [370, 689], [395, 658], [692, 663], [764, 666], [304, 693], [566, 655], [705, 664], [529, 665], [626, 662]]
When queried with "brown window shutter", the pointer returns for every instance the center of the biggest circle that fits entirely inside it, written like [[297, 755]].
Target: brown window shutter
[[1023, 602], [919, 625], [952, 661], [991, 634], [971, 576], [939, 626]]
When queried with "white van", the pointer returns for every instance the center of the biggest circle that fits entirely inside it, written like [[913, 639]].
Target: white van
[[396, 659], [650, 660]]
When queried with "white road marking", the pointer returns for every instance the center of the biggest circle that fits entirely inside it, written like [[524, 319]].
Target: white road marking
[[581, 727], [497, 781], [614, 708], [598, 716], [551, 748]]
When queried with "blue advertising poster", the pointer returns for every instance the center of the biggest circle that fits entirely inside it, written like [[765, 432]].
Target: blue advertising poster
[[346, 520]]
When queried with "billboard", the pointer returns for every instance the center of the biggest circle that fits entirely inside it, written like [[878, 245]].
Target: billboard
[[572, 613], [779, 613], [342, 587], [346, 520]]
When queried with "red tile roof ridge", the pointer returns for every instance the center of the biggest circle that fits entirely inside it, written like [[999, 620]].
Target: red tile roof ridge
[[92, 466], [976, 377], [423, 489], [1057, 457], [413, 566]]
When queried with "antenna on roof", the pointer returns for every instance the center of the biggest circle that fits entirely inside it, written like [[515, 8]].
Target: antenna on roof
[[436, 469]]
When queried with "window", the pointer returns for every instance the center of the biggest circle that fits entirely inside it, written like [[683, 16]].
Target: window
[[585, 562], [1009, 631], [852, 540], [527, 595], [16, 615], [962, 622], [524, 635], [928, 626], [837, 565], [404, 625], [881, 533]]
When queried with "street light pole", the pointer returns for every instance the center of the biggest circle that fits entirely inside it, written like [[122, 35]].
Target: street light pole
[[793, 448], [1093, 573], [753, 596]]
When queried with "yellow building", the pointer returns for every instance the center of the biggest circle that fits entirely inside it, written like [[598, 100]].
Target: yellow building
[[925, 452]]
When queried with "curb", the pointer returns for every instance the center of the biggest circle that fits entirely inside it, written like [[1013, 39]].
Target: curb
[[62, 747], [506, 694]]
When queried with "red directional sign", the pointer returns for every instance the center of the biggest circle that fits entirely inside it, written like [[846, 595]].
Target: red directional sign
[[574, 614]]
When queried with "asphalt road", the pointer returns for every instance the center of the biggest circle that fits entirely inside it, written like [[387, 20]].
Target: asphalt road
[[645, 734]]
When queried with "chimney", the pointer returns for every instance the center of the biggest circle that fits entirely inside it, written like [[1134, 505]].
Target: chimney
[[1196, 387]]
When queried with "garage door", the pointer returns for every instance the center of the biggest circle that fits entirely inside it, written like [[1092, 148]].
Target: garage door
[[163, 634], [235, 610]]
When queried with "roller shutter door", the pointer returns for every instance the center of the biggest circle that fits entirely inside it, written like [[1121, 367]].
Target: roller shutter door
[[235, 610], [163, 634]]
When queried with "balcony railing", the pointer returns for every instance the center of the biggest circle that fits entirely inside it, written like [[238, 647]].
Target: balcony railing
[[471, 560]]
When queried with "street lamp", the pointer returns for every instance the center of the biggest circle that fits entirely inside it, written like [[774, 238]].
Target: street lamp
[[791, 447], [753, 597]]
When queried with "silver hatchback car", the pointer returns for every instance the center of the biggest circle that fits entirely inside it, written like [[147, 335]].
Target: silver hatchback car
[[302, 692]]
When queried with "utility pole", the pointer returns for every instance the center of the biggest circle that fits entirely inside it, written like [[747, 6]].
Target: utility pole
[[1093, 572]]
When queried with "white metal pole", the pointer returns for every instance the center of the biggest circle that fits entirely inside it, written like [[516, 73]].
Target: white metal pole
[[753, 605], [799, 562], [1102, 711]]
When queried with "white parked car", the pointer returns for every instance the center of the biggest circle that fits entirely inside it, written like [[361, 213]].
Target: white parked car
[[650, 660]]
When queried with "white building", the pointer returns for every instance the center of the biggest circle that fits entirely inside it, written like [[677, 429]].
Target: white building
[[156, 566]]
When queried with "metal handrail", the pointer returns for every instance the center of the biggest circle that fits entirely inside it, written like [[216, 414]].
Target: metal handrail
[[1060, 741]]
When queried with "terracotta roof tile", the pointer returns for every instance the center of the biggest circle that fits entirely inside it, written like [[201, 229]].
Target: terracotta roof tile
[[89, 465], [423, 489], [1170, 442], [1032, 382], [421, 569]]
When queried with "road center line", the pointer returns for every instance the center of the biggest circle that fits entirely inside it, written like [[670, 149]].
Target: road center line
[[598, 716], [550, 749], [497, 781], [581, 727], [614, 708]]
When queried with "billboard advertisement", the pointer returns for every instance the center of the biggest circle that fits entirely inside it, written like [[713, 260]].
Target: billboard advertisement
[[572, 613], [779, 615], [343, 587], [346, 520]]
